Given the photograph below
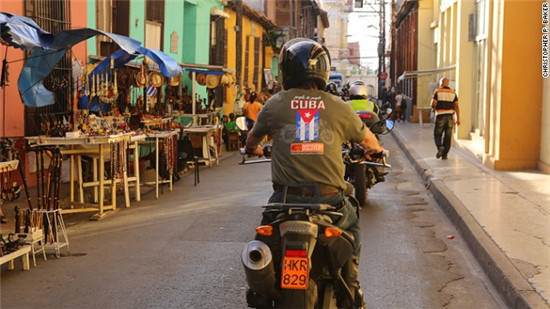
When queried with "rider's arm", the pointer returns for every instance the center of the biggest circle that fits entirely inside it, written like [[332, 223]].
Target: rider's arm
[[370, 143], [253, 144]]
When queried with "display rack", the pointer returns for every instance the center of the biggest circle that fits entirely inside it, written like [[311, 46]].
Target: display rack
[[56, 235]]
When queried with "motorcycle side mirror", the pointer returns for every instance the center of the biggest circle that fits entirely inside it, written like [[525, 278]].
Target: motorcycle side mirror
[[241, 123], [389, 126], [267, 151]]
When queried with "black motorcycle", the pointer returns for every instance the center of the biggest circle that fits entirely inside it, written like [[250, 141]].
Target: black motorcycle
[[296, 260], [362, 173]]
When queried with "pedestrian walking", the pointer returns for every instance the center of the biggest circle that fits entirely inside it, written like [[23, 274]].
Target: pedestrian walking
[[445, 107], [401, 105], [251, 109]]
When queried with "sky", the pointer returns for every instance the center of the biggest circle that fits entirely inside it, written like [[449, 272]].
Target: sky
[[364, 28]]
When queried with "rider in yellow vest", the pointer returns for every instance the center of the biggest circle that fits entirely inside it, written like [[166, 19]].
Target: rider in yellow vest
[[359, 98]]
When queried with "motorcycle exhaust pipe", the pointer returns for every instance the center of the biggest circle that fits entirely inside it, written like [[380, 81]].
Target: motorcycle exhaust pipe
[[258, 267]]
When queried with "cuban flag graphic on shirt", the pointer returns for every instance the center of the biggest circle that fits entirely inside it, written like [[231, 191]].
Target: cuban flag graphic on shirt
[[307, 125]]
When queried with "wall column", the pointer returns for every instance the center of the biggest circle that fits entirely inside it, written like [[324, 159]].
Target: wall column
[[464, 72]]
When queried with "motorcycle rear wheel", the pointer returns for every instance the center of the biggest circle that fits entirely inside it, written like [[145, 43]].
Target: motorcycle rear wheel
[[360, 184]]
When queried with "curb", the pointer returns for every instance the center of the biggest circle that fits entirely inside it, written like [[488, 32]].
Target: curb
[[508, 281]]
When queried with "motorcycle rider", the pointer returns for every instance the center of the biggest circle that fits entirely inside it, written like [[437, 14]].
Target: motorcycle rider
[[359, 101], [308, 127], [332, 88]]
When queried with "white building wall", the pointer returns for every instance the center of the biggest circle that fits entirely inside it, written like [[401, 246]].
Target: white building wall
[[335, 35]]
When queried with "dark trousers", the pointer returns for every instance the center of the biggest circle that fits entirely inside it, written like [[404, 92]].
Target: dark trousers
[[443, 132]]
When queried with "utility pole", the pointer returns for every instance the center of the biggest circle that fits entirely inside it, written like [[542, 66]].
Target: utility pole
[[239, 47], [382, 75], [392, 56]]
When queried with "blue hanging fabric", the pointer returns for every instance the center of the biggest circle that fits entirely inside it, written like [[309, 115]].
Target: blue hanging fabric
[[41, 63], [22, 32]]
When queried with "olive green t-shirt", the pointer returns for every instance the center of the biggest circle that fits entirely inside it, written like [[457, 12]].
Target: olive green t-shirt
[[308, 128]]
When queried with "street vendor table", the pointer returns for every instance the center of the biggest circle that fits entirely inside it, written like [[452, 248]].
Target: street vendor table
[[22, 252], [154, 138], [208, 141], [187, 120], [156, 122], [135, 180], [98, 144]]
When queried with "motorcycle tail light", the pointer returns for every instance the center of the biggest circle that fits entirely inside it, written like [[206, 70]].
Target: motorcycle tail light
[[365, 116], [265, 230], [332, 232], [295, 253]]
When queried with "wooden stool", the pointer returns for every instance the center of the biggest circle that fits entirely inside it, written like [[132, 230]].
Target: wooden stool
[[233, 141]]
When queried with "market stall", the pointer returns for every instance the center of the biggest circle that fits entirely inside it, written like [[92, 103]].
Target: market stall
[[131, 108], [19, 32], [203, 125], [114, 146]]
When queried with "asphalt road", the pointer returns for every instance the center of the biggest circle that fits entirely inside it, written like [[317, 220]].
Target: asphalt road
[[183, 250]]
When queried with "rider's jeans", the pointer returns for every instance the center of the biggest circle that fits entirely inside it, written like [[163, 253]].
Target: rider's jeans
[[348, 222]]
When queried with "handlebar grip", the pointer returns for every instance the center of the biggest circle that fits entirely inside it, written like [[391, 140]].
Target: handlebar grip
[[383, 154]]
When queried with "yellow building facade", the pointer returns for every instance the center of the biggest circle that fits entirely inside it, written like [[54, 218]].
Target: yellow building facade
[[495, 49], [254, 58]]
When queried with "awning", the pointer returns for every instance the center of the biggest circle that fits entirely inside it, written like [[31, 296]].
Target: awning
[[413, 74], [167, 66], [22, 32], [41, 63], [214, 11], [206, 68], [204, 71]]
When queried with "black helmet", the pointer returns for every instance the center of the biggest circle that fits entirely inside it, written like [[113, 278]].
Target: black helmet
[[332, 88], [302, 60]]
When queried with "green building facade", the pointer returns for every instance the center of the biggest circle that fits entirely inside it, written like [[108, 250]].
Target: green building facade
[[184, 28]]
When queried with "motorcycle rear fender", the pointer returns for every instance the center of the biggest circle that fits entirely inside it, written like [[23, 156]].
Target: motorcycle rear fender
[[297, 231], [298, 242]]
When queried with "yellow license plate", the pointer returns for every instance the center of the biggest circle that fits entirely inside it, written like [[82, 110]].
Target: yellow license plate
[[295, 273]]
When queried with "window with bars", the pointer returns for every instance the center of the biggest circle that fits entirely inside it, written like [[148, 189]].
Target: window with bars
[[154, 24], [246, 60], [255, 80], [111, 16], [52, 16], [218, 53], [154, 10]]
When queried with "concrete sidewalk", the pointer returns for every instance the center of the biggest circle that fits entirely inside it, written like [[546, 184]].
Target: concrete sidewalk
[[504, 216]]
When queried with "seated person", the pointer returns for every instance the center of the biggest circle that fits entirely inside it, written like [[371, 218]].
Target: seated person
[[230, 126]]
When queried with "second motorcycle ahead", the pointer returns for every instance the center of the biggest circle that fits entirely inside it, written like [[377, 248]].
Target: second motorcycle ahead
[[364, 173]]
